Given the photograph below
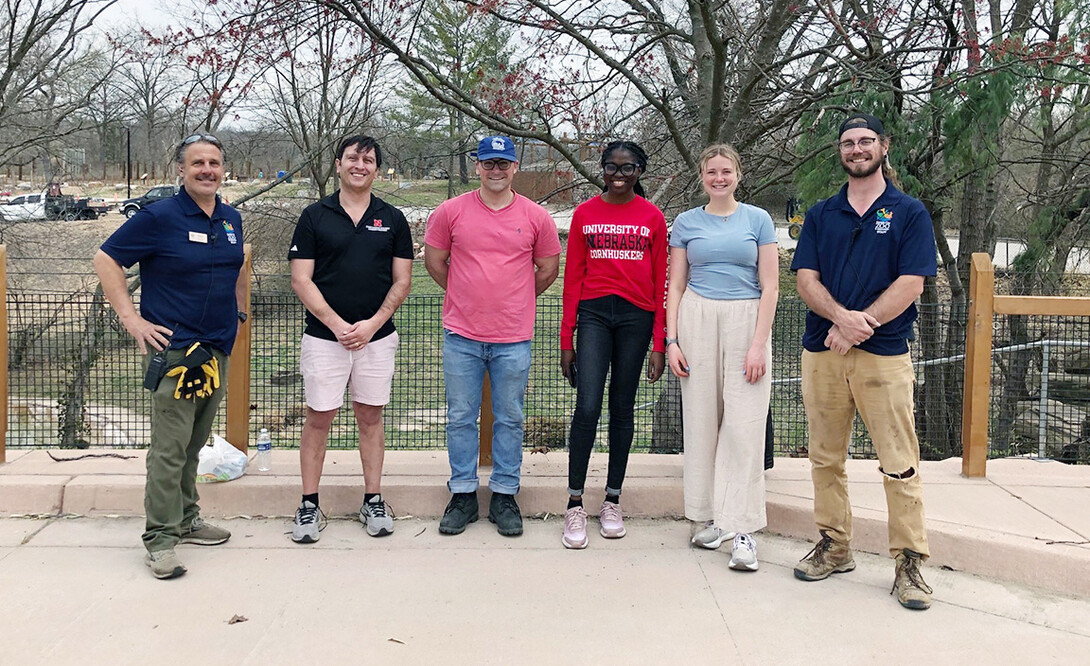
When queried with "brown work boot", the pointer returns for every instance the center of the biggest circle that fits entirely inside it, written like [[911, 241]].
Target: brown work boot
[[827, 557], [908, 584]]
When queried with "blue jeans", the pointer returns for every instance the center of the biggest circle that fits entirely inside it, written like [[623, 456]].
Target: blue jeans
[[508, 365], [611, 336]]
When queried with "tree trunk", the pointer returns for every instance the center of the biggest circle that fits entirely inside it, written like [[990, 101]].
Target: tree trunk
[[72, 426], [452, 141], [463, 162]]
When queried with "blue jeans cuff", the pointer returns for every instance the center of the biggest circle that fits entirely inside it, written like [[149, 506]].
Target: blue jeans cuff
[[463, 486]]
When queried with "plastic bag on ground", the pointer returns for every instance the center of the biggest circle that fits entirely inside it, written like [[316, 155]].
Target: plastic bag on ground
[[220, 461]]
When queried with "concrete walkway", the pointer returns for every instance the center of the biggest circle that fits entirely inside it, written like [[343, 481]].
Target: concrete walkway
[[1027, 523], [76, 592]]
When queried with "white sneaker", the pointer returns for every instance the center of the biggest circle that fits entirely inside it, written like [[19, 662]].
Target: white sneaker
[[711, 537], [377, 517], [743, 555], [308, 525]]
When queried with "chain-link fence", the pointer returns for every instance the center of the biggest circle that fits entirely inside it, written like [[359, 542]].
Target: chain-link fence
[[75, 380]]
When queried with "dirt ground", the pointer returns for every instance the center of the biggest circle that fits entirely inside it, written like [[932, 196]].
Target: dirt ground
[[55, 255]]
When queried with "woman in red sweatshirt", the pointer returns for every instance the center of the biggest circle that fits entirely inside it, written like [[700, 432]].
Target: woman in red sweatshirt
[[614, 286]]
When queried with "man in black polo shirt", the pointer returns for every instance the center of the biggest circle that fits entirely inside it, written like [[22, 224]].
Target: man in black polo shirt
[[189, 248], [351, 266]]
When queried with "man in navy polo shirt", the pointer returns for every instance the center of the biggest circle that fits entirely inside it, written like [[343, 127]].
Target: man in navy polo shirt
[[351, 266], [189, 248], [861, 262]]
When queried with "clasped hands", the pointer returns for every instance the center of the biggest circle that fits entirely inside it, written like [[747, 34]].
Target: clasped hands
[[852, 328], [355, 336]]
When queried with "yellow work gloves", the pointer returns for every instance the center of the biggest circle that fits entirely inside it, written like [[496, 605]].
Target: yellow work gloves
[[198, 373]]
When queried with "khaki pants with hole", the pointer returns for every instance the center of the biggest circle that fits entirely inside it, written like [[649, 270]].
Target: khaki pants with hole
[[834, 387]]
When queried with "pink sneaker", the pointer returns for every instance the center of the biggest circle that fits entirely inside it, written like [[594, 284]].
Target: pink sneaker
[[575, 528], [612, 522]]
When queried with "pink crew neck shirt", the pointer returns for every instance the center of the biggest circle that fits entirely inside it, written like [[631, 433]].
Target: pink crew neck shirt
[[490, 287]]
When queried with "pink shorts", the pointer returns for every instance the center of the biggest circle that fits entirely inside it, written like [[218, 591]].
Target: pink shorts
[[328, 368]]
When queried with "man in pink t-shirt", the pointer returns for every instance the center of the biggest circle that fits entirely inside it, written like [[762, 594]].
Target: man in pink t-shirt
[[493, 251]]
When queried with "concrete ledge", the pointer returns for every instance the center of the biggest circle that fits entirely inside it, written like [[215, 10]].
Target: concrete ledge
[[1026, 523], [104, 494], [28, 494]]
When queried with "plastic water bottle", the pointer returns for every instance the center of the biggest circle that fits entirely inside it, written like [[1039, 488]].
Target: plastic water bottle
[[264, 451]]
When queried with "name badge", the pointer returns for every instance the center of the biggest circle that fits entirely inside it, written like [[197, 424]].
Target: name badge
[[197, 237]]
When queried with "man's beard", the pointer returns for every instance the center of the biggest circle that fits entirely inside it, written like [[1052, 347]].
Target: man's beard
[[870, 168]]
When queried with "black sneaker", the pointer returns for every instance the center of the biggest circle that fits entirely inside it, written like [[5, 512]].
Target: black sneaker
[[504, 511], [460, 511]]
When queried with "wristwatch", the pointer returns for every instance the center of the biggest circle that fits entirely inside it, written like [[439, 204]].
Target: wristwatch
[[671, 341], [242, 316]]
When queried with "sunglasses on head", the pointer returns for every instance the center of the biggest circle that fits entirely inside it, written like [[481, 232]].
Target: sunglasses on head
[[194, 138]]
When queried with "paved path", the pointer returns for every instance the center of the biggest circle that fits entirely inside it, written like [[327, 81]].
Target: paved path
[[1026, 523], [77, 592]]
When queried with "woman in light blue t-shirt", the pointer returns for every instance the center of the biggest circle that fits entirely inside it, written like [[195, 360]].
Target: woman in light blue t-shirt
[[724, 282]]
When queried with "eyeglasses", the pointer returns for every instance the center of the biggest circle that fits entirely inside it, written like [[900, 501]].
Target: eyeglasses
[[611, 168], [502, 165], [848, 146], [208, 138]]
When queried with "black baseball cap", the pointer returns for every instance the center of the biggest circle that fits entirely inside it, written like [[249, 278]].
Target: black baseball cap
[[862, 120]]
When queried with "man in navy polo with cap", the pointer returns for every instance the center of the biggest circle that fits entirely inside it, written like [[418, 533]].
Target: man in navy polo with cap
[[493, 251], [861, 262], [189, 248]]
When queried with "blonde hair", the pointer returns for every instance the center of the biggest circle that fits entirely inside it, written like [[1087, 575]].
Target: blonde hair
[[889, 172], [720, 150]]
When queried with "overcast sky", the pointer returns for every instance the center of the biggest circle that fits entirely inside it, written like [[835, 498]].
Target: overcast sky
[[146, 12]]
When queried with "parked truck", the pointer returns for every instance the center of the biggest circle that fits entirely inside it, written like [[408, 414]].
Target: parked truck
[[50, 204], [128, 207]]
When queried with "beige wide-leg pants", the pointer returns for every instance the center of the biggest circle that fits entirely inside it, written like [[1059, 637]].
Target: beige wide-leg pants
[[724, 414]]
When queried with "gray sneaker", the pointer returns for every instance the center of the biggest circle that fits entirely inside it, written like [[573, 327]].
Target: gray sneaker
[[377, 517], [203, 534], [711, 537], [164, 564], [309, 521], [743, 554]]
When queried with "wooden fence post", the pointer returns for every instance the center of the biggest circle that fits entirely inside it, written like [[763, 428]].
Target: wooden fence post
[[978, 367], [484, 458], [238, 375]]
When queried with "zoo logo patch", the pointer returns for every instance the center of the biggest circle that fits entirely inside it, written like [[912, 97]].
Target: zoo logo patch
[[230, 229], [885, 218]]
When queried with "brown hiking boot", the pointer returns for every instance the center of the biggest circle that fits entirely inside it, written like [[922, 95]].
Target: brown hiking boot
[[908, 584], [827, 557]]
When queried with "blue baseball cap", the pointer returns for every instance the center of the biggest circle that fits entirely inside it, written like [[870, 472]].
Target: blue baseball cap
[[495, 148]]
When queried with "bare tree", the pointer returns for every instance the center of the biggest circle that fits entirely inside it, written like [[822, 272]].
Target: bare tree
[[40, 44], [326, 80]]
